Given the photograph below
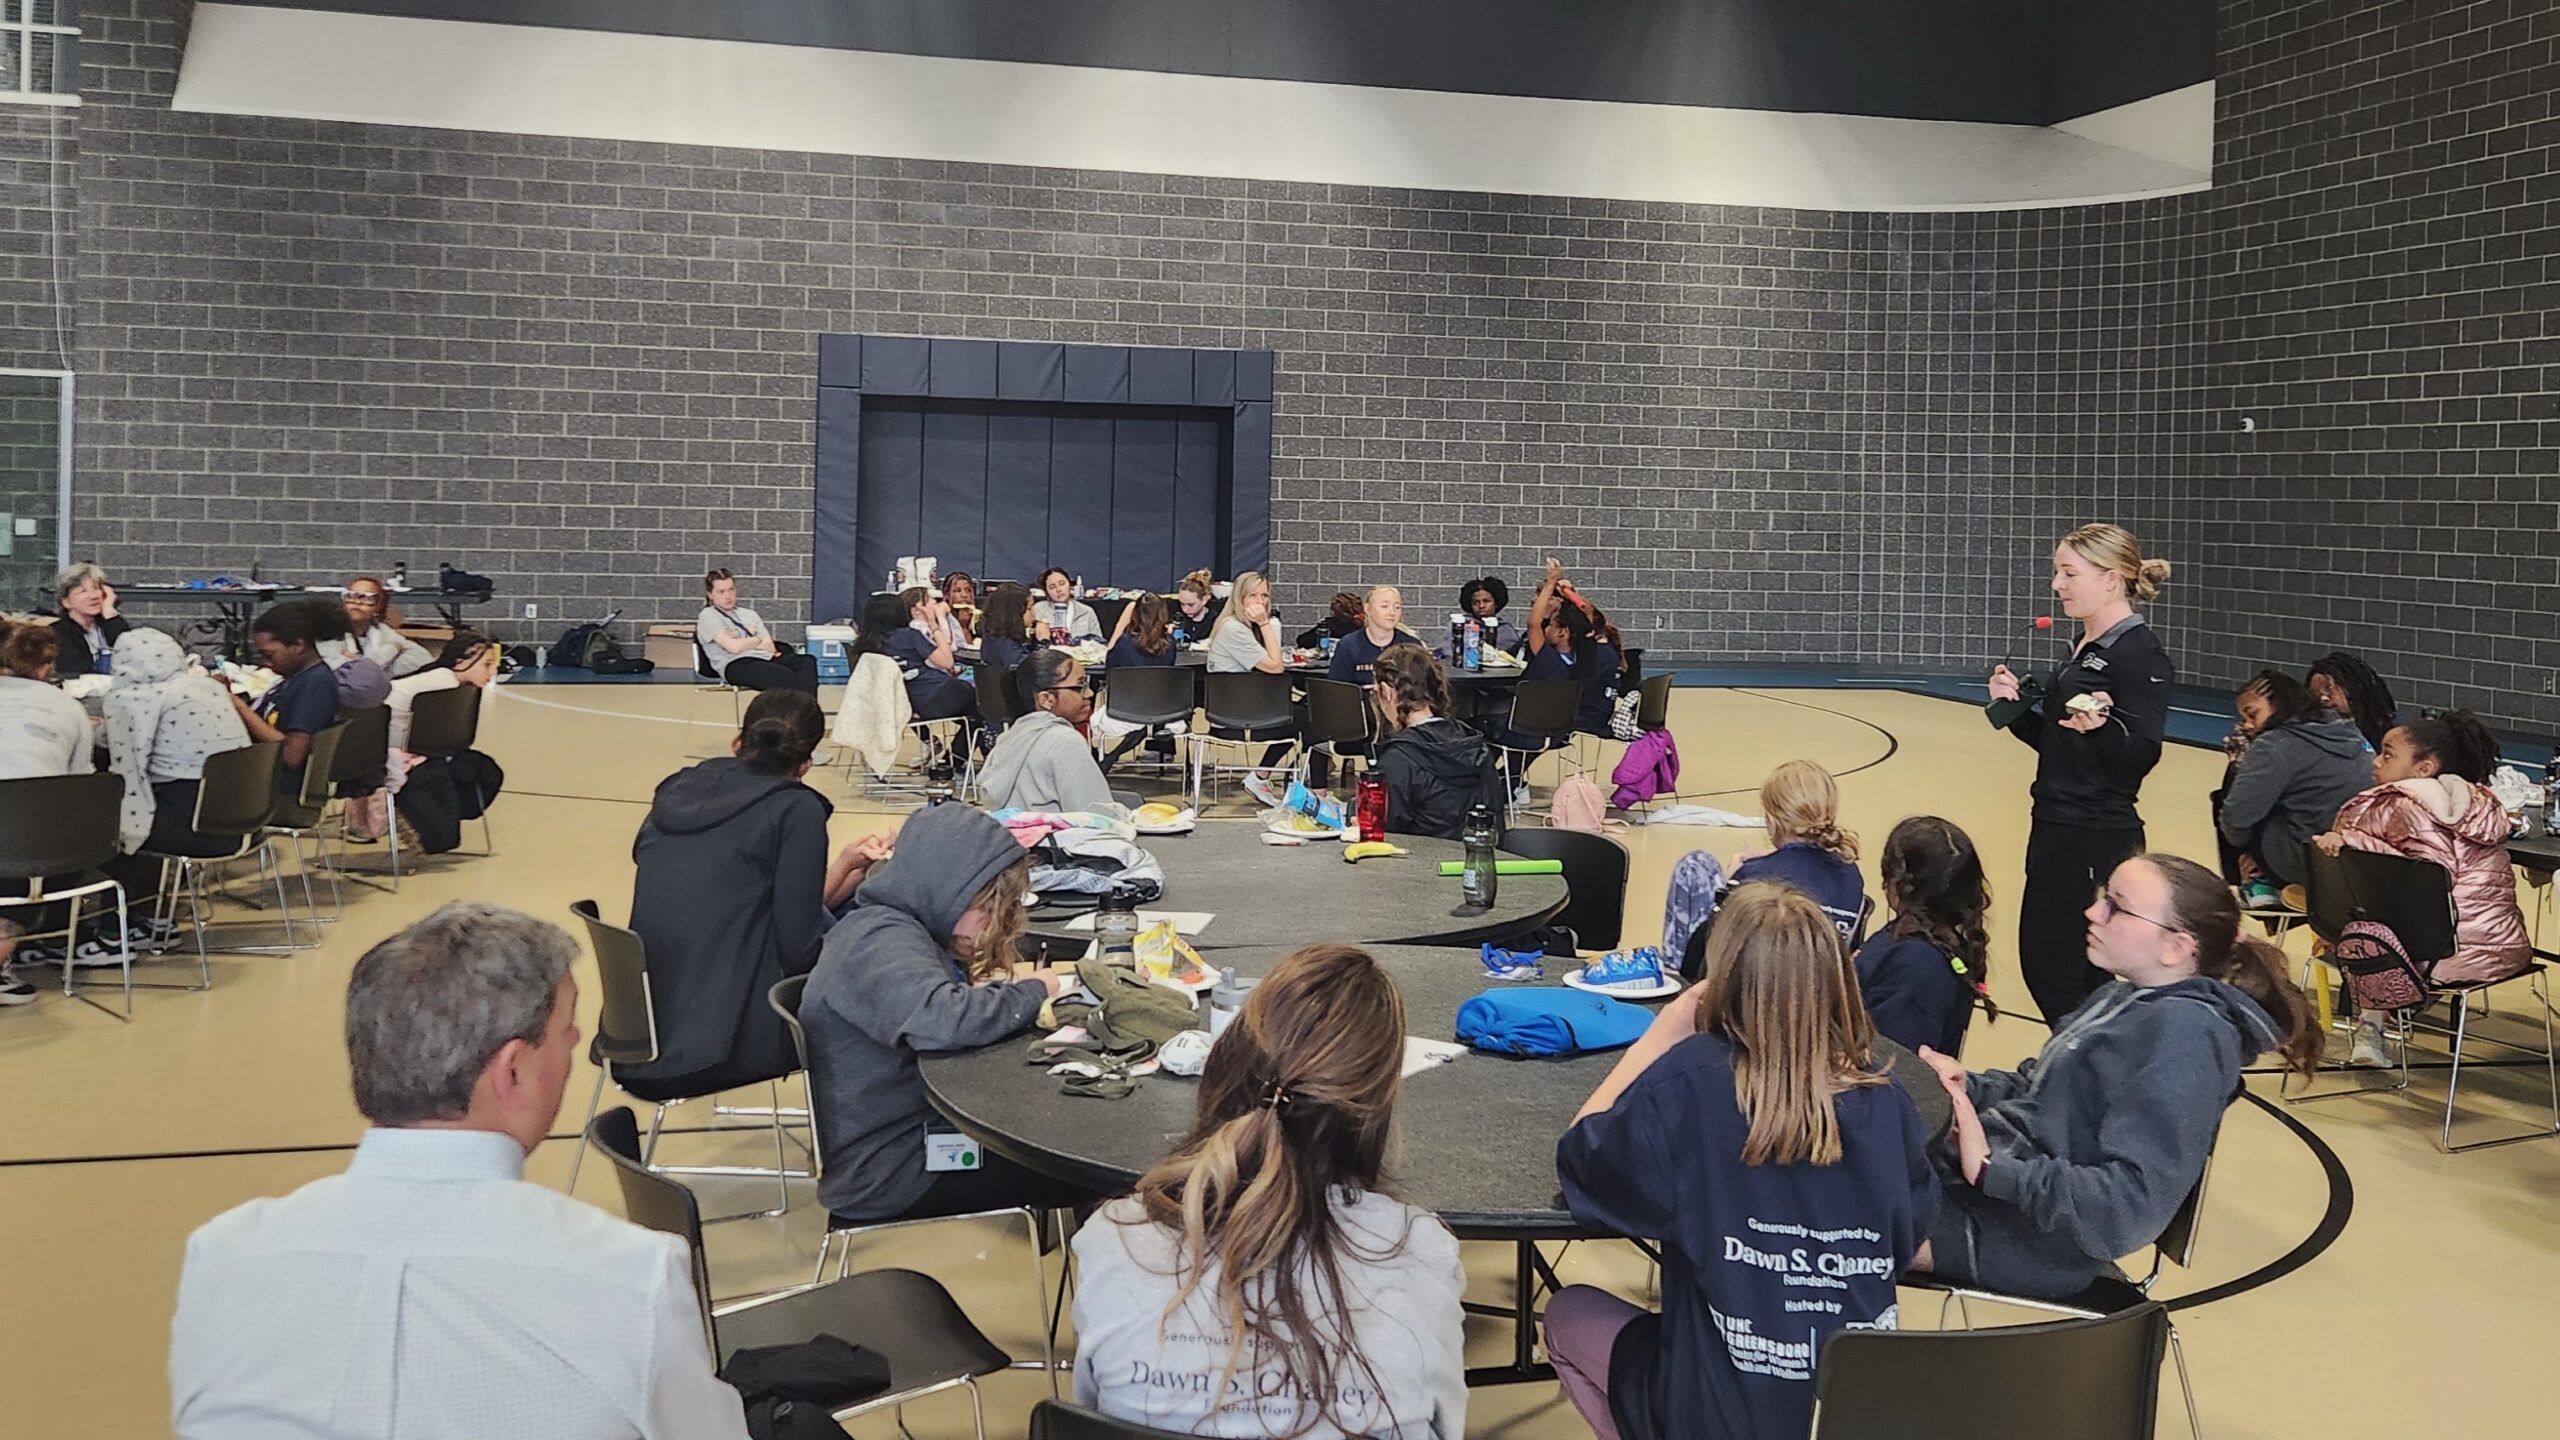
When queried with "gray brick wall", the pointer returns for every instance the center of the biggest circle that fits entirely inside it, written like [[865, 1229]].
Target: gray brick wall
[[2382, 302], [585, 367], [39, 148]]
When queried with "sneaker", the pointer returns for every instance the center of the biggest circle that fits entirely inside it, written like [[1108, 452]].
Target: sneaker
[[38, 953], [1257, 785], [2367, 1051], [1515, 965], [93, 954], [2261, 895], [14, 991]]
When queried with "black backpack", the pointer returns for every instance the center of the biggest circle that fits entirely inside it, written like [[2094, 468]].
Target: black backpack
[[592, 647]]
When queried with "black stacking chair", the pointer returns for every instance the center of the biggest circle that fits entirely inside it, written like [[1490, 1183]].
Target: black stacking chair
[[1340, 719], [1541, 710], [443, 724], [907, 1318], [2415, 899], [55, 831], [234, 802], [1057, 1420], [627, 1034], [1153, 695], [2093, 1378], [1595, 879], [1247, 708]]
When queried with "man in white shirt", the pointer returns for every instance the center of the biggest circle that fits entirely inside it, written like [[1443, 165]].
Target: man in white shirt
[[430, 1290]]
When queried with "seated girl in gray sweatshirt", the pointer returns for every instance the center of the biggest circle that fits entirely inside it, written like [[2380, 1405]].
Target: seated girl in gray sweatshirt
[[2083, 1154], [923, 962]]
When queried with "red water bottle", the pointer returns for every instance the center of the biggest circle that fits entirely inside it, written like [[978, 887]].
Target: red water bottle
[[1372, 808]]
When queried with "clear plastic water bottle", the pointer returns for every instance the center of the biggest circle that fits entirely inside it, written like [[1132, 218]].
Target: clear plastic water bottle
[[1477, 879], [1226, 1001], [1115, 926]]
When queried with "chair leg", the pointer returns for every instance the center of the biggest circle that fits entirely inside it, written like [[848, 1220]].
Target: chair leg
[[2186, 1386], [578, 1156], [977, 1406], [649, 1146], [2453, 1078], [781, 1161]]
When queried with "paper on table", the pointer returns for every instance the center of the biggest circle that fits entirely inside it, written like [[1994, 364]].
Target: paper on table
[[1421, 1054], [1185, 922]]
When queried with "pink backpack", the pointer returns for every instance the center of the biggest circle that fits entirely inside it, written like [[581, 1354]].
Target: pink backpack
[[1578, 806]]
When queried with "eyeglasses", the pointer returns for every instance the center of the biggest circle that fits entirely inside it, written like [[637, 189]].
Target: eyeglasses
[[1084, 686], [364, 597], [2112, 907]]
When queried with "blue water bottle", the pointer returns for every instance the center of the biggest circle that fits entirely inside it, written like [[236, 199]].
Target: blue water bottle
[[1475, 646]]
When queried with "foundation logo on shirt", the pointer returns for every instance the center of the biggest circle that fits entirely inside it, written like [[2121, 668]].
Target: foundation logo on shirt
[[2094, 662]]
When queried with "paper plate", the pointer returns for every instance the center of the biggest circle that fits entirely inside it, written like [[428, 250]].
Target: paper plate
[[1670, 986], [1182, 827]]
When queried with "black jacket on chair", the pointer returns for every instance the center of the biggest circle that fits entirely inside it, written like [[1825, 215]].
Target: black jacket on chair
[[729, 899], [1434, 772]]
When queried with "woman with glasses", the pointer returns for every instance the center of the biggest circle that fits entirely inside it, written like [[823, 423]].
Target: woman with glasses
[[2083, 1153], [371, 634], [1042, 761]]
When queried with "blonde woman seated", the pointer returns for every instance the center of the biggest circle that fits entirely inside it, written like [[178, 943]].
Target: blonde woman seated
[[1265, 1279]]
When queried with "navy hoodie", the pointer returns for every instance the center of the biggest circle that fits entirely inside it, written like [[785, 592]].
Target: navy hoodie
[[1913, 992], [887, 987], [2097, 1141], [730, 896], [1760, 1263]]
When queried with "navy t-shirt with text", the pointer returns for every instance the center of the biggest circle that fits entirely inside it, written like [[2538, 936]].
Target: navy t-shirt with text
[[303, 703], [1760, 1263]]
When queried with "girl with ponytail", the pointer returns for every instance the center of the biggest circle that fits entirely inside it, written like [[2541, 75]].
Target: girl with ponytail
[[1800, 803], [1265, 1279], [732, 894], [1752, 1132], [2431, 801], [2083, 1153], [1925, 970]]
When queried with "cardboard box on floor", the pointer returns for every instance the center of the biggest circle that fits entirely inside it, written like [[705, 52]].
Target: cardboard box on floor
[[669, 647]]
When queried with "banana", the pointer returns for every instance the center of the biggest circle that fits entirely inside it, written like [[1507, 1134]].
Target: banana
[[1360, 850]]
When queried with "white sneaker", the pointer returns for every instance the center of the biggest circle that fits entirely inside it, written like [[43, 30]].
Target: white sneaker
[[1259, 786], [2368, 1051]]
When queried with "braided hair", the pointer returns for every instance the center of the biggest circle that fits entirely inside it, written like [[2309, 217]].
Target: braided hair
[[1934, 884], [2369, 700]]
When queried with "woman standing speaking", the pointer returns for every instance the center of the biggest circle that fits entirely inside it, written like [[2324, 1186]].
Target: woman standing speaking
[[2096, 728]]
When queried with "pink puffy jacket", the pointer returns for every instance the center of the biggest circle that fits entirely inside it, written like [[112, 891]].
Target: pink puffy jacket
[[2461, 827]]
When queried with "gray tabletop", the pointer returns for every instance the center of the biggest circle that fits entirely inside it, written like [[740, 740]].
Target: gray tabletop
[[1479, 1133], [1276, 894]]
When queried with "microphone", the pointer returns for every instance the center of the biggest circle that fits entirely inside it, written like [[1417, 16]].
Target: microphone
[[2040, 623]]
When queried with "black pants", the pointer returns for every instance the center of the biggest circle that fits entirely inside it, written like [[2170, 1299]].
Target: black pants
[[2065, 866], [785, 671], [997, 1184]]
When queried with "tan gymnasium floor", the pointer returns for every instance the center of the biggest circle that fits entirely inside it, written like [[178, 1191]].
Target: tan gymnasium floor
[[121, 1139]]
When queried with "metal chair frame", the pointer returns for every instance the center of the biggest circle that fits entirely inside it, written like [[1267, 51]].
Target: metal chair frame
[[784, 997], [708, 682], [94, 803], [605, 938], [1253, 702], [2336, 895], [714, 1312], [262, 759]]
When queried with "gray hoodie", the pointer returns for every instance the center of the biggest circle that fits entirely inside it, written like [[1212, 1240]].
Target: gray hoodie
[[886, 987], [2097, 1140], [1043, 764], [2288, 787]]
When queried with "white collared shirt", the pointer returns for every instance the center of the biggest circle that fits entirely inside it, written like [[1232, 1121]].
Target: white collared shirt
[[431, 1291]]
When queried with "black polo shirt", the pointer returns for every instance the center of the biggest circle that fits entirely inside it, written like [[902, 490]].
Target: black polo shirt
[[2091, 779]]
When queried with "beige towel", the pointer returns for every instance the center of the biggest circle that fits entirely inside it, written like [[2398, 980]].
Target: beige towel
[[873, 722]]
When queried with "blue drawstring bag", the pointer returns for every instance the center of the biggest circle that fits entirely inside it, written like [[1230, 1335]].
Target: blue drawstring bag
[[1549, 1020]]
